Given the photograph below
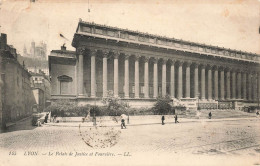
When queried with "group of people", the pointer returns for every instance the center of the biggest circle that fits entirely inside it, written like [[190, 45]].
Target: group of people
[[46, 117], [175, 118]]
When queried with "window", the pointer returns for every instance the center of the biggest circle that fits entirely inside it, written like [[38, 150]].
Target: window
[[65, 84], [142, 89], [133, 89]]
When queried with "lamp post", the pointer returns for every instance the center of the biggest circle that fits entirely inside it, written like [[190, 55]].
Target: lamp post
[[94, 116], [198, 96]]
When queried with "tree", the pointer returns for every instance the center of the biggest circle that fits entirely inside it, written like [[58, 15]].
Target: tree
[[115, 106], [163, 105]]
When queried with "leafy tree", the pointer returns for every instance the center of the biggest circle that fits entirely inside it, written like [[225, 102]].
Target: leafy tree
[[163, 105], [115, 106]]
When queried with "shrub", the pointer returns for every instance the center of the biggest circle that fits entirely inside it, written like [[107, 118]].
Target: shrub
[[115, 106], [163, 106]]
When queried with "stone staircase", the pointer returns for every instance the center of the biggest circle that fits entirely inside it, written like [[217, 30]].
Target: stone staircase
[[216, 114]]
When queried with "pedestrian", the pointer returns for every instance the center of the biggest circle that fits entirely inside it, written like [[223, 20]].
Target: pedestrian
[[176, 118], [123, 123], [38, 123], [163, 120], [210, 115], [54, 118], [257, 113], [46, 118]]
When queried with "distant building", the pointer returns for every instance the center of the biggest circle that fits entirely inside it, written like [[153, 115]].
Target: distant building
[[40, 83], [16, 95], [36, 51], [36, 59]]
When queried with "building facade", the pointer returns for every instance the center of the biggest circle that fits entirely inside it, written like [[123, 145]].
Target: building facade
[[40, 84], [139, 67], [16, 94]]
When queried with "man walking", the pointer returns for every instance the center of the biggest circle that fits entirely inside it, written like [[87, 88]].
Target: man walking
[[163, 120], [176, 118]]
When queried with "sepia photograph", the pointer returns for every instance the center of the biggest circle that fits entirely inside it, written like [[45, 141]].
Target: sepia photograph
[[129, 82]]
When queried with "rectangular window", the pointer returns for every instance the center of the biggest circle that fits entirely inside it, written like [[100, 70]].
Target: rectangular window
[[151, 90], [99, 31], [133, 89], [64, 86], [142, 89], [86, 29], [131, 37]]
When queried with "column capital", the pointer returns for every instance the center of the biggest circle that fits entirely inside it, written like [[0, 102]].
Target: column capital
[[221, 68], [203, 65], [81, 50], [116, 54], [228, 69], [210, 66], [180, 62], [196, 64], [146, 58], [164, 60], [188, 63], [93, 51], [127, 55], [215, 67], [137, 57], [155, 59], [105, 53], [172, 61]]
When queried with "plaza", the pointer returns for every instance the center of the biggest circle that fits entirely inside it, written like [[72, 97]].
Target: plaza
[[195, 139]]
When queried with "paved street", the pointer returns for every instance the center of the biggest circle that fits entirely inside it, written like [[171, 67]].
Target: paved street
[[225, 138]]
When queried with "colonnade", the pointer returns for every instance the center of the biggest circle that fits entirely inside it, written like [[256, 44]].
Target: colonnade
[[209, 82]]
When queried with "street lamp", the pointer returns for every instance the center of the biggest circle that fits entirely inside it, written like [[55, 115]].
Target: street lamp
[[198, 95]]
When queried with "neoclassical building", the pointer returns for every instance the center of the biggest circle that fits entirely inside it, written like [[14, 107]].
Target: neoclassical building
[[139, 67]]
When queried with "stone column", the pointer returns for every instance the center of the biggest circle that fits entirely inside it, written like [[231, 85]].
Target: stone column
[[196, 80], [172, 83], [234, 96], [137, 76], [105, 54], [222, 84], [80, 52], [116, 55], [228, 84], [258, 87], [155, 78], [126, 76], [254, 84], [93, 73], [244, 85], [216, 83], [249, 86], [164, 77], [209, 83], [146, 77], [202, 82], [180, 81], [187, 80], [239, 85]]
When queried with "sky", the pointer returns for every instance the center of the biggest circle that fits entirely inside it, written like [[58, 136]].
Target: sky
[[231, 24]]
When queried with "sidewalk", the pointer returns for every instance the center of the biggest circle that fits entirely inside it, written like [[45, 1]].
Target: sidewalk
[[140, 120]]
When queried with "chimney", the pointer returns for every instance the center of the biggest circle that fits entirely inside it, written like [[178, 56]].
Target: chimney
[[3, 41], [63, 47]]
